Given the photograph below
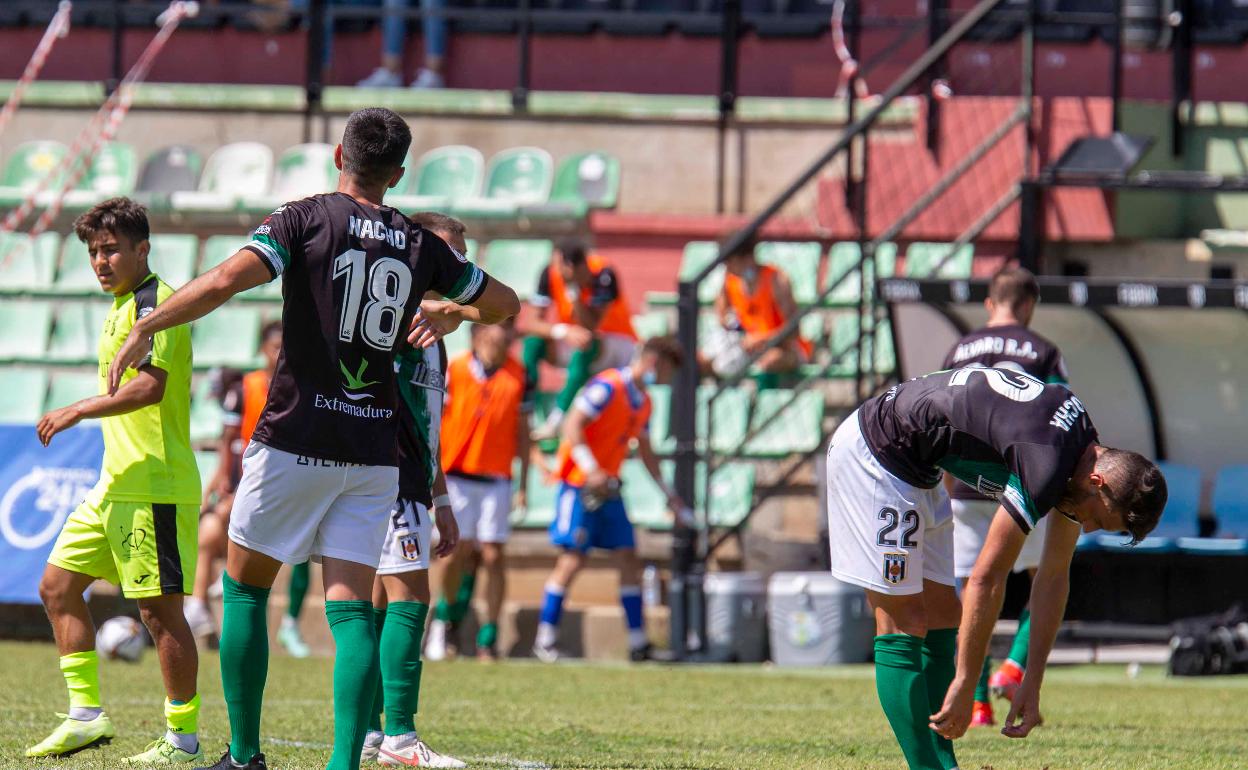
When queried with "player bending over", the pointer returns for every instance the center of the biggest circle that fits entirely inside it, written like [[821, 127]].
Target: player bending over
[[1033, 448], [485, 428], [320, 475], [137, 527], [401, 590], [1006, 343], [608, 415]]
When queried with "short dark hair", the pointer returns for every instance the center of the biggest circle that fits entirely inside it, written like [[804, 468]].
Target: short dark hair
[[439, 223], [375, 144], [667, 347], [119, 216], [269, 329], [1012, 287], [1136, 487], [574, 251]]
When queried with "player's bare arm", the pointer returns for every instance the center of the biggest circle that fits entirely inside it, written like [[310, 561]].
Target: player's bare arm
[[675, 506], [1049, 591], [443, 518], [596, 480], [497, 303], [245, 270], [144, 390], [981, 606]]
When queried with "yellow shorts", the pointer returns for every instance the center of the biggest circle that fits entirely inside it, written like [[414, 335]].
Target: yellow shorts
[[148, 549]]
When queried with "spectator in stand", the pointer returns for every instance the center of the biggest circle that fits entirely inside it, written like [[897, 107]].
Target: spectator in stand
[[756, 303], [592, 329]]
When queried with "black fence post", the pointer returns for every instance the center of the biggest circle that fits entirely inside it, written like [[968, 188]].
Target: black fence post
[[314, 76], [936, 10], [524, 40], [1115, 72], [852, 21], [118, 66], [729, 37], [1181, 74], [1030, 225], [684, 570]]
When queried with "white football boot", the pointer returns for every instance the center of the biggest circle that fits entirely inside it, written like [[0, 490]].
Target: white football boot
[[410, 750]]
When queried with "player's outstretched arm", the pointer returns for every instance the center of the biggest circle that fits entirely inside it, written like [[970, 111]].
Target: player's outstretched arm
[[677, 507], [146, 389], [1048, 605], [981, 606], [244, 270]]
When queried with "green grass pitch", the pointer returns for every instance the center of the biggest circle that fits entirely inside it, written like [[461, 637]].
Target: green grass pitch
[[528, 715]]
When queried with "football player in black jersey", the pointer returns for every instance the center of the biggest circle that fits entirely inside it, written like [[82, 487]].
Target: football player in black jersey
[[320, 475], [1033, 448]]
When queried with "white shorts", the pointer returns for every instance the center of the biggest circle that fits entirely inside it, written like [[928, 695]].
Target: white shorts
[[885, 535], [482, 508], [971, 519], [408, 537], [615, 351], [292, 508]]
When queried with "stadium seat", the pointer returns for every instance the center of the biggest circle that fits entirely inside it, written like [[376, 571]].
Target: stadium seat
[[789, 422], [173, 257], [441, 177], [727, 420], [219, 248], [76, 331], [922, 260], [112, 172], [885, 353], [75, 274], [1230, 506], [25, 326], [518, 264], [589, 180], [28, 166], [732, 492], [206, 412], [232, 172], [474, 250], [22, 394], [70, 387], [696, 256], [800, 261], [844, 346], [520, 176], [167, 171], [302, 170], [643, 499], [813, 327], [207, 461], [843, 259], [228, 336], [1181, 519], [26, 265], [653, 324]]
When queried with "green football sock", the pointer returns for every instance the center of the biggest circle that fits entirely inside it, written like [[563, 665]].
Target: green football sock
[[981, 687], [534, 351], [580, 364], [442, 610], [1022, 640], [374, 714], [940, 650], [463, 598], [487, 636], [355, 678], [299, 579], [244, 662], [899, 681], [401, 665], [82, 676]]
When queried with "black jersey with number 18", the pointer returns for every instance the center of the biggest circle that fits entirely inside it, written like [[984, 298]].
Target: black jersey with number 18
[[352, 277], [1009, 435]]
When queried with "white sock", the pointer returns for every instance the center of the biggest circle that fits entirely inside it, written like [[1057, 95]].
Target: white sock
[[289, 622], [393, 741], [84, 713], [546, 635], [637, 638], [188, 742], [373, 737]]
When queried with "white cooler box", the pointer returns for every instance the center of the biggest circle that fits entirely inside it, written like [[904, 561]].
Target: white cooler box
[[816, 620], [736, 616]]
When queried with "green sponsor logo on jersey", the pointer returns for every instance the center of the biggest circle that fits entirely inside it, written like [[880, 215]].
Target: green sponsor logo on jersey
[[355, 382]]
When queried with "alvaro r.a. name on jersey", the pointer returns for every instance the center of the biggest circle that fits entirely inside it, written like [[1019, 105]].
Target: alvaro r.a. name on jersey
[[1012, 346], [1007, 434], [352, 277]]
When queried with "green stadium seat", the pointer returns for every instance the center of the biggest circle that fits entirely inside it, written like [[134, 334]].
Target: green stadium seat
[[25, 326], [519, 264], [22, 394], [228, 336], [520, 176], [233, 172], [441, 177], [697, 255], [843, 258], [540, 510], [26, 265], [302, 170], [207, 461], [112, 172], [885, 354], [643, 499], [844, 346], [29, 165], [474, 250], [75, 274], [588, 180], [727, 420], [76, 331], [661, 438], [173, 257], [799, 261], [923, 258], [70, 387], [219, 248], [206, 413], [652, 324], [732, 493], [789, 423], [813, 327]]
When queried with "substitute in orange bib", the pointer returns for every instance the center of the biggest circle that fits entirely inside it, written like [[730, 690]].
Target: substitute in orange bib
[[756, 303], [591, 328], [484, 429], [608, 417]]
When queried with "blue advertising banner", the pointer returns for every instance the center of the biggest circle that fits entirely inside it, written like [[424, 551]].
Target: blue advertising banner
[[39, 487]]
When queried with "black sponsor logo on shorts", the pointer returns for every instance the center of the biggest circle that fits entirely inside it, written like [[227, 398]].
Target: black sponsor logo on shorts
[[134, 540]]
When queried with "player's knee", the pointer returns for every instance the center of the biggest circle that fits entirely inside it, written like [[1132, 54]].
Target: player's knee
[[492, 556], [52, 593], [161, 615]]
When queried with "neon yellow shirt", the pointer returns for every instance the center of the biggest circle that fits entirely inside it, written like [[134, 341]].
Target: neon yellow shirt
[[147, 452]]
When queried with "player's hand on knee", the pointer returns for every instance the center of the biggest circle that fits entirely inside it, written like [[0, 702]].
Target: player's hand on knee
[[1024, 712]]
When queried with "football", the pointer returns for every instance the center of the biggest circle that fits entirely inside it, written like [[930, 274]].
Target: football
[[121, 638]]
